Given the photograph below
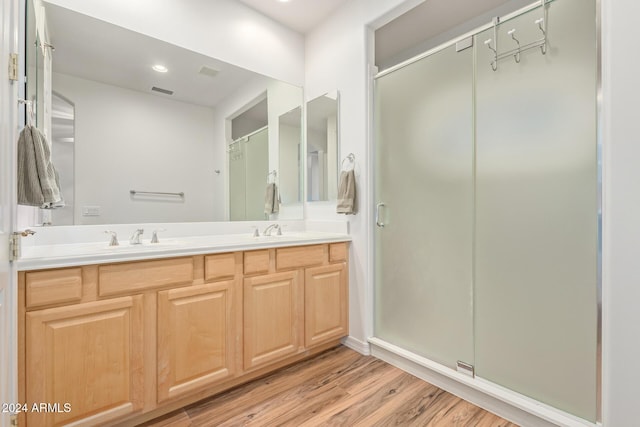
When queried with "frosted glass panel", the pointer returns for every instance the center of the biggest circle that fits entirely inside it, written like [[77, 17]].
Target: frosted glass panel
[[257, 155], [248, 169], [237, 181], [536, 211], [424, 164]]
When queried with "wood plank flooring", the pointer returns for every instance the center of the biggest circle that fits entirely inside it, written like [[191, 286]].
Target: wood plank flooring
[[337, 388]]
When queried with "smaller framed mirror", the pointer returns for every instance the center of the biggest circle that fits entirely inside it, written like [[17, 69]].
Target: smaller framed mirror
[[290, 135], [322, 147]]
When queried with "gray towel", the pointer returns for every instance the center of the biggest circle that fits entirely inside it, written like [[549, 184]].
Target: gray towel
[[347, 193], [271, 199], [38, 183]]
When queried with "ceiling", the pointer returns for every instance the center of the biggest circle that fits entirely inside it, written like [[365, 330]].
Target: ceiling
[[299, 15]]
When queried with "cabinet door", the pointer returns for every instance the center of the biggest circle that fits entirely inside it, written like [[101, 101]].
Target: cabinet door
[[88, 356], [272, 318], [196, 335], [326, 303]]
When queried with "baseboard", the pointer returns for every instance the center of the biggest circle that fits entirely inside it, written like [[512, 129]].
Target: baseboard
[[355, 344], [505, 403]]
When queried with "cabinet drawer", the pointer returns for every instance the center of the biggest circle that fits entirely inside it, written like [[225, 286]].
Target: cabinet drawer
[[337, 252], [219, 267], [301, 256], [256, 262], [53, 286], [137, 276]]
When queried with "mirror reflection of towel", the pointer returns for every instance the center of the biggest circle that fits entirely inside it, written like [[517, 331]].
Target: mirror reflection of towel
[[271, 199], [347, 193], [38, 183]]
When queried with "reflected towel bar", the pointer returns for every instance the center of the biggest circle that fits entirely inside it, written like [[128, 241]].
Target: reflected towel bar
[[159, 193]]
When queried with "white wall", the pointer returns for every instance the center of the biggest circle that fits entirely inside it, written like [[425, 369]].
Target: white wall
[[621, 212], [127, 140], [224, 29]]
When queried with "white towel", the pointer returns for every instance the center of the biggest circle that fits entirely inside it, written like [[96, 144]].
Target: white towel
[[347, 193], [271, 199], [38, 183]]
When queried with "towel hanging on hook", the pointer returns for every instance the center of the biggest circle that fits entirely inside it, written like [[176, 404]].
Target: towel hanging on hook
[[38, 180]]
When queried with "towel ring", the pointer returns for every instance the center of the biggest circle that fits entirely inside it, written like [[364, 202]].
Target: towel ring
[[352, 159]]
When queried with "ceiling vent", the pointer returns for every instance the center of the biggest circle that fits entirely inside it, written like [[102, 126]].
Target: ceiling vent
[[159, 89], [208, 71]]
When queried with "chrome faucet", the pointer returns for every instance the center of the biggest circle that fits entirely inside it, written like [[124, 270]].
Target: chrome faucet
[[267, 231], [135, 237], [114, 238]]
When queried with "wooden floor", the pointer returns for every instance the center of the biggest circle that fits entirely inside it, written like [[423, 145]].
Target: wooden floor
[[337, 388]]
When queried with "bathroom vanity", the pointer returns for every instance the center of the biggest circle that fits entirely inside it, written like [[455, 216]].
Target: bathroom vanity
[[128, 340]]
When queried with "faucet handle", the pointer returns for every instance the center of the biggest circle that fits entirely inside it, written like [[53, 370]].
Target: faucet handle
[[154, 235], [114, 238], [256, 232]]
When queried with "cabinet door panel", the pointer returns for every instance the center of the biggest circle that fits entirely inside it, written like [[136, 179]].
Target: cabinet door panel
[[271, 318], [195, 338], [325, 303], [87, 355]]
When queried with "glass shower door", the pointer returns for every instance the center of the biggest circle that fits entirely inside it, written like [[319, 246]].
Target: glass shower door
[[257, 170], [424, 187], [248, 170], [536, 210], [237, 181]]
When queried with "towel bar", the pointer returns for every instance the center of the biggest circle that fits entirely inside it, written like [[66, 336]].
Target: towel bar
[[134, 192]]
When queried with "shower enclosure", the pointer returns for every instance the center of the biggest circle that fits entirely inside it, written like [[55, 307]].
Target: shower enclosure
[[487, 215]]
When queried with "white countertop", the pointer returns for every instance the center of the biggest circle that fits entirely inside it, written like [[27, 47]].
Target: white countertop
[[68, 255]]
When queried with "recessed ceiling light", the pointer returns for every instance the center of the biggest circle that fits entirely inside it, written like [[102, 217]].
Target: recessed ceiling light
[[160, 68], [284, 1]]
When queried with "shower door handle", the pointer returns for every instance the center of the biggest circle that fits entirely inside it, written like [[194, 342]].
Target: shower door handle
[[378, 222]]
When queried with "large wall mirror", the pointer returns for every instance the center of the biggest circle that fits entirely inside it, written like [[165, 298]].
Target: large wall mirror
[[146, 131], [322, 147]]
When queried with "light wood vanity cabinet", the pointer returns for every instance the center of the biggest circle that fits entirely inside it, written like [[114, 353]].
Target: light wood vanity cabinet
[[88, 355], [196, 338], [272, 318], [295, 298], [326, 308], [126, 342]]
